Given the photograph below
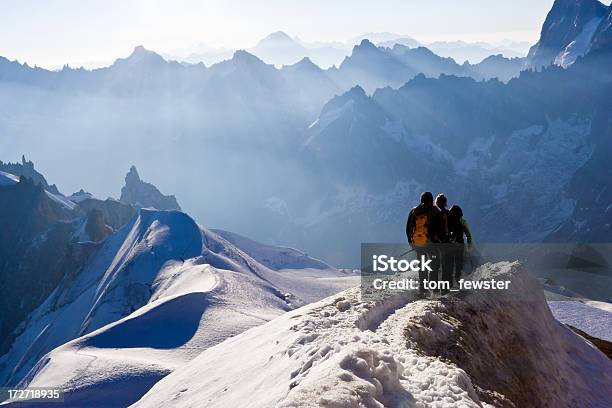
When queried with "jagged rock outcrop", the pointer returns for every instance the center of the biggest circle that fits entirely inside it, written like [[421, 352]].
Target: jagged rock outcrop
[[26, 169], [143, 195]]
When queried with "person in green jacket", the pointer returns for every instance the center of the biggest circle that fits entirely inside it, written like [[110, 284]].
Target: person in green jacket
[[457, 228]]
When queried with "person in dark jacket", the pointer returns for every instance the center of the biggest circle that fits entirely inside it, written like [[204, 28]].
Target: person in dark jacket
[[458, 227], [446, 259], [423, 229]]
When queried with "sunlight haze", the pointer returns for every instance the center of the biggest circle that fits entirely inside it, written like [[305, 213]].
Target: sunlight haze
[[93, 33]]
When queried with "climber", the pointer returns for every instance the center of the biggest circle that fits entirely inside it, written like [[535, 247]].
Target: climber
[[458, 227], [423, 230], [445, 249]]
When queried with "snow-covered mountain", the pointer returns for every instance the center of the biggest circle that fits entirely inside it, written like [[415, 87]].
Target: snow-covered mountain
[[163, 312], [569, 32], [140, 301], [139, 313], [472, 351], [156, 294]]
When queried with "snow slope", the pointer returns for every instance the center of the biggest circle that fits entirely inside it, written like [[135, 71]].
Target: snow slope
[[157, 293], [273, 257], [589, 319], [579, 46], [8, 179], [470, 351]]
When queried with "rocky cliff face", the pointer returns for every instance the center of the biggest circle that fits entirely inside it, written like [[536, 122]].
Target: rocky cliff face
[[44, 237], [602, 39], [567, 32], [142, 194], [35, 251]]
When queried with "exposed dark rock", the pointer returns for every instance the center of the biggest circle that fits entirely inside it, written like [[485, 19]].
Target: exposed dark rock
[[603, 345], [35, 252], [114, 213], [38, 246], [95, 227]]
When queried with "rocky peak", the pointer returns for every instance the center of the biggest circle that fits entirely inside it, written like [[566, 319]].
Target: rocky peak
[[245, 58], [132, 176], [144, 195], [565, 23], [365, 46]]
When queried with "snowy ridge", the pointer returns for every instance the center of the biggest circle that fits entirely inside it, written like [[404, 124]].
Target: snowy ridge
[[157, 293], [345, 352], [61, 200], [8, 179]]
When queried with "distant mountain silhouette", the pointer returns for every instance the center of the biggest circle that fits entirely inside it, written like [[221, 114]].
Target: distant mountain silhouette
[[279, 48], [376, 67], [141, 194]]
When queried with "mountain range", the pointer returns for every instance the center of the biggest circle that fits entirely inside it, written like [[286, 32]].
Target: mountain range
[[132, 301], [359, 140], [279, 48]]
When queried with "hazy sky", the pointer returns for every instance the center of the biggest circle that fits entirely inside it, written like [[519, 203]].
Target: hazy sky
[[53, 32]]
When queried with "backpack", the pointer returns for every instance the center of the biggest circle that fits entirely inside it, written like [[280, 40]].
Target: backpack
[[420, 231]]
